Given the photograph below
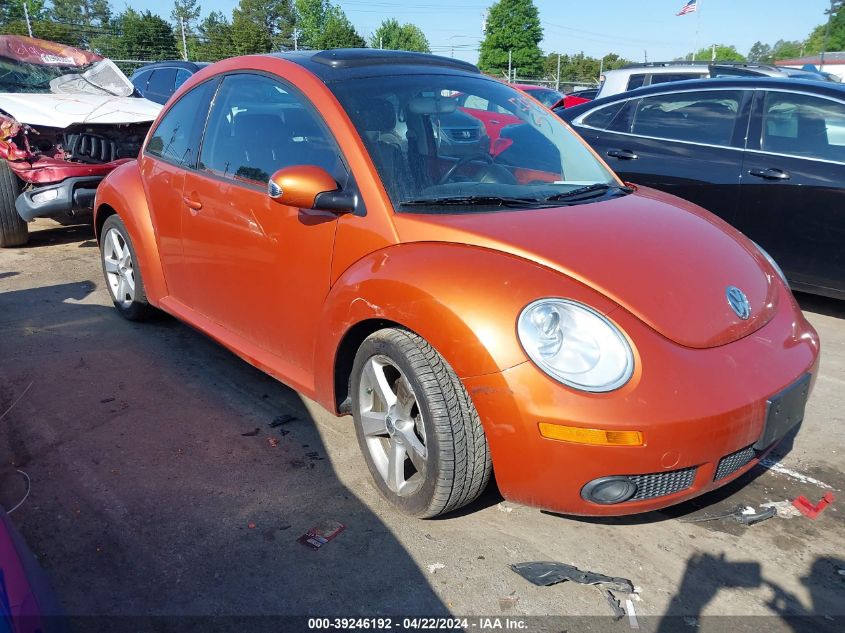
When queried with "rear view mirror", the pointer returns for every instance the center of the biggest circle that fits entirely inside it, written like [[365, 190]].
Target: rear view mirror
[[309, 187], [432, 105]]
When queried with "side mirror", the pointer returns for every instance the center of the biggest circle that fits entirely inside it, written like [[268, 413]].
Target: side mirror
[[309, 187]]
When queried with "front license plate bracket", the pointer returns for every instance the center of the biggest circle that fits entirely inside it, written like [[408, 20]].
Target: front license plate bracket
[[784, 411]]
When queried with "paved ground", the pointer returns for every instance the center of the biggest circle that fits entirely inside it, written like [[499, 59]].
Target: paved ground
[[144, 486]]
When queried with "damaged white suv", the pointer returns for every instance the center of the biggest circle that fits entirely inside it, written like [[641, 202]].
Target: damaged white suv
[[67, 118]]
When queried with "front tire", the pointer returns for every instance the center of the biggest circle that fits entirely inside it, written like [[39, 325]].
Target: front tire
[[13, 229], [120, 268], [416, 425]]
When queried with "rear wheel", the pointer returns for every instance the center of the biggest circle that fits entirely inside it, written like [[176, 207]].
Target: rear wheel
[[416, 425], [123, 277], [13, 229]]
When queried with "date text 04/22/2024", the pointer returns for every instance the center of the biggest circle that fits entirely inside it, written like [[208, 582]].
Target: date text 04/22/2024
[[420, 624]]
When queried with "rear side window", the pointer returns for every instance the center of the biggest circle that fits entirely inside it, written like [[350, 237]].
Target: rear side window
[[176, 136], [182, 76], [603, 117], [257, 126], [700, 117], [803, 125], [162, 82], [636, 81], [667, 77]]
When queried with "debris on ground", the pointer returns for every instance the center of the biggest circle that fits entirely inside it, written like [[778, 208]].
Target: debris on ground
[[251, 433], [508, 603], [432, 569], [279, 420], [504, 508], [783, 509], [106, 400], [251, 525], [632, 615], [813, 511], [746, 515], [273, 441], [321, 534], [545, 574]]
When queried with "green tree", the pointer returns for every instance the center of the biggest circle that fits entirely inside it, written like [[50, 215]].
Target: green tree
[[215, 38], [760, 52], [11, 11], [835, 35], [187, 11], [784, 49], [724, 53], [399, 37], [260, 26], [86, 13], [138, 35], [339, 32], [311, 18], [512, 25]]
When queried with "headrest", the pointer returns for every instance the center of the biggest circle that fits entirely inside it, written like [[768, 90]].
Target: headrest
[[378, 115]]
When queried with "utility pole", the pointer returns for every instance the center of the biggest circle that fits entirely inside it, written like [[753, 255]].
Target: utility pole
[[713, 54], [826, 33], [381, 41], [645, 55], [295, 39], [557, 82], [601, 67], [26, 15], [184, 43], [510, 63]]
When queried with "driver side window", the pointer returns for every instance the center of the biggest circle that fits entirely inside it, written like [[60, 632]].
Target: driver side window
[[258, 126]]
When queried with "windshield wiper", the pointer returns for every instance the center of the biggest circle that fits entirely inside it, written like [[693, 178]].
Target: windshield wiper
[[499, 201], [596, 188]]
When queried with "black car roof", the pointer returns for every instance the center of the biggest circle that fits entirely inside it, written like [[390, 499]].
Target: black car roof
[[176, 63], [346, 63], [820, 87]]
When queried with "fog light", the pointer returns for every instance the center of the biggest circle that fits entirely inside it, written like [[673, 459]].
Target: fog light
[[609, 490], [45, 196], [601, 437]]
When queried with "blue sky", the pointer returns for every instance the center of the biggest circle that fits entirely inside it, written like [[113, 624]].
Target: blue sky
[[597, 27]]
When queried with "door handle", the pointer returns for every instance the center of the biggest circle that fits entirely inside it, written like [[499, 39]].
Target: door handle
[[622, 154], [773, 173], [192, 203]]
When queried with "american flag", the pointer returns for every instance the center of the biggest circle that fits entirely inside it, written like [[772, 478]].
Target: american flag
[[690, 7]]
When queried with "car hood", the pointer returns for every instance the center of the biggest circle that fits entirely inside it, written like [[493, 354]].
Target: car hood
[[62, 110], [666, 261]]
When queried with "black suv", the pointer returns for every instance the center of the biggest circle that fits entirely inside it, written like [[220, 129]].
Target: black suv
[[158, 81]]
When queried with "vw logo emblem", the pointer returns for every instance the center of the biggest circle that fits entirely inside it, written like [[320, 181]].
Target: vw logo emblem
[[738, 302]]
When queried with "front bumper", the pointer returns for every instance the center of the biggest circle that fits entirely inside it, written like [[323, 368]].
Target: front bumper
[[700, 410], [62, 198]]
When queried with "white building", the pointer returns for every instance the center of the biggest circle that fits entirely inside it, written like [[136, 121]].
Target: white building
[[834, 63]]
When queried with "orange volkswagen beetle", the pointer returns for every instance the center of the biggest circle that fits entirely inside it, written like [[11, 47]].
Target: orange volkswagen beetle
[[338, 221]]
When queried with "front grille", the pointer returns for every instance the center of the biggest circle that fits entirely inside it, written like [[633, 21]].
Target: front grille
[[729, 464], [662, 484]]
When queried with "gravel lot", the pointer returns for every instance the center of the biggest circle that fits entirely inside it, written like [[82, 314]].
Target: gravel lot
[[153, 494]]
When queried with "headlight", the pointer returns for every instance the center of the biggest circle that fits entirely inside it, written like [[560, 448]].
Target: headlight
[[575, 344], [772, 262]]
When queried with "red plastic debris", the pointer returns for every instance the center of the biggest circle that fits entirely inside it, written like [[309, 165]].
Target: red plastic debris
[[251, 525], [805, 507]]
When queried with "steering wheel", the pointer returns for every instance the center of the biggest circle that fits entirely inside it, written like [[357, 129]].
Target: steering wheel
[[464, 161]]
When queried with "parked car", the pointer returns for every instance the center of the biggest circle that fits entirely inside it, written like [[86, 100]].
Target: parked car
[[158, 81], [67, 118], [590, 341], [548, 97], [636, 76], [765, 154], [577, 97], [27, 602]]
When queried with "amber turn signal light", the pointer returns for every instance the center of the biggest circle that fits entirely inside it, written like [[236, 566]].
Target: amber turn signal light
[[578, 435]]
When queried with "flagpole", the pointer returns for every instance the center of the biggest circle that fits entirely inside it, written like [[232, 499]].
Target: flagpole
[[697, 28]]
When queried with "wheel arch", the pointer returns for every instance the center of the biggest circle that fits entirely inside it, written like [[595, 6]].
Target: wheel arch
[[122, 193], [463, 300]]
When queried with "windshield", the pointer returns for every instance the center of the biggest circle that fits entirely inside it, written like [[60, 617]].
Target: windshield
[[38, 66], [462, 143]]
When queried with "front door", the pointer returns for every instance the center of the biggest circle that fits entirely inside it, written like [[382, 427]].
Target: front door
[[793, 191], [259, 269]]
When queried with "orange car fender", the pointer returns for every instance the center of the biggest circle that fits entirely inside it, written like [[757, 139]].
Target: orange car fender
[[123, 193], [464, 300]]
